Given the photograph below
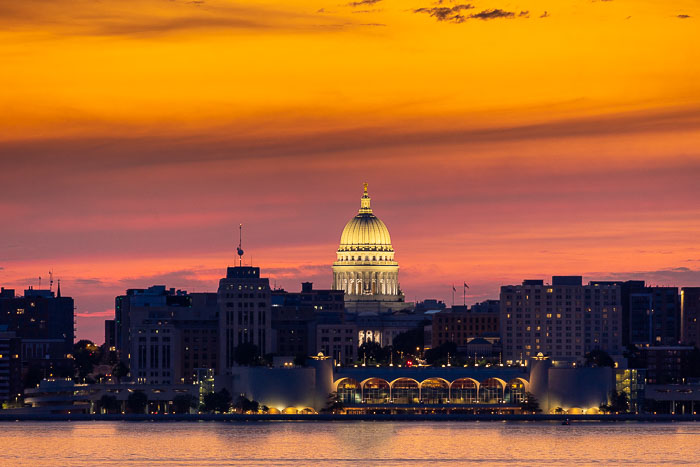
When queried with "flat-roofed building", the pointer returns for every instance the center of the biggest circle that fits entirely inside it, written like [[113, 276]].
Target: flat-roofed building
[[462, 326], [244, 313], [173, 335], [690, 316], [564, 320]]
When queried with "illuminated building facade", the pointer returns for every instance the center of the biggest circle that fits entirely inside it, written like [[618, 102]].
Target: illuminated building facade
[[172, 334], [565, 320], [425, 389], [44, 321], [365, 268]]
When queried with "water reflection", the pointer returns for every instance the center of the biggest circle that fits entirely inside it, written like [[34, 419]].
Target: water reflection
[[386, 443]]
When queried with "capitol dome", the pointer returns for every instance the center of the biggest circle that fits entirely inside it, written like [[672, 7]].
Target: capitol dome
[[365, 231], [365, 267]]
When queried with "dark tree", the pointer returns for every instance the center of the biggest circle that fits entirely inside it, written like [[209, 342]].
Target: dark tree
[[599, 358], [439, 354], [619, 403], [245, 405], [408, 341], [182, 403], [120, 370], [219, 401], [530, 404], [246, 354], [137, 402], [372, 351], [109, 403], [85, 356], [334, 404]]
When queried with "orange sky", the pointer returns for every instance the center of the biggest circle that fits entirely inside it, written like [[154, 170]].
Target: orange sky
[[499, 143]]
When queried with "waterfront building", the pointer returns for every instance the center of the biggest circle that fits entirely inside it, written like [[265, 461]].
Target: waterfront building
[[244, 313], [690, 316], [666, 364], [171, 336], [425, 389], [63, 396], [44, 322], [564, 320], [365, 268], [632, 381], [672, 398]]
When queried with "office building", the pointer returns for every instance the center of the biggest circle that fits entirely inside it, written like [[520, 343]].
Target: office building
[[44, 322], [294, 314], [172, 334], [244, 313], [564, 320]]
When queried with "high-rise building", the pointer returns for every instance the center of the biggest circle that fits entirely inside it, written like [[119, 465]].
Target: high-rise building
[[690, 315], [244, 313], [44, 322], [294, 314], [365, 268], [172, 335], [11, 386], [564, 320]]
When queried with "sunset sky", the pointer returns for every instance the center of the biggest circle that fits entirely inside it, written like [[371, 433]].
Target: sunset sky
[[501, 141]]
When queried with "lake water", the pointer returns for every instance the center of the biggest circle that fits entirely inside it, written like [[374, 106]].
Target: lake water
[[347, 443]]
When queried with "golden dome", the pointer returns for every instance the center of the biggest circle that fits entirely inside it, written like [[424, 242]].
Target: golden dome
[[365, 231]]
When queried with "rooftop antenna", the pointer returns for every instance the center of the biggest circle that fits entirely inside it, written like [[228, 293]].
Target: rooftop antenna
[[50, 280], [240, 243]]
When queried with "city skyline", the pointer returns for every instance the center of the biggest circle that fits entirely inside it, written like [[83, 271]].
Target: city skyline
[[498, 145]]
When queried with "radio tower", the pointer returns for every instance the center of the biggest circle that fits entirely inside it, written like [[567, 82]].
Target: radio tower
[[240, 244]]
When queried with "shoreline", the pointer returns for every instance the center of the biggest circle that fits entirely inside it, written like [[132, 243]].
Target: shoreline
[[8, 417]]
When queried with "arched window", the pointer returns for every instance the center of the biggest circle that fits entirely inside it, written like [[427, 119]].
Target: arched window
[[515, 391], [434, 391], [404, 391], [375, 391], [491, 391], [464, 391], [349, 391]]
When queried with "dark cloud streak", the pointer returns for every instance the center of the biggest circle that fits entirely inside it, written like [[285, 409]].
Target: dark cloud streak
[[448, 14], [495, 13], [105, 153]]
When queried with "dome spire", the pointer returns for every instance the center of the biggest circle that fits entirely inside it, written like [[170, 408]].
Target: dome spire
[[364, 201]]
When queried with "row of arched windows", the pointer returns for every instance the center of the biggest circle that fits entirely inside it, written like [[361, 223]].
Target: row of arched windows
[[431, 391]]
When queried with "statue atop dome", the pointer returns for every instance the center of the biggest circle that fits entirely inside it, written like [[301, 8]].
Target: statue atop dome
[[365, 267]]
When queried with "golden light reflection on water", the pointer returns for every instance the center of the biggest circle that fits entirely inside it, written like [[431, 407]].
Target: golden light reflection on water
[[338, 443]]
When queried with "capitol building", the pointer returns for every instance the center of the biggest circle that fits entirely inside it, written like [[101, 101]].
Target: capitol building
[[365, 268]]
